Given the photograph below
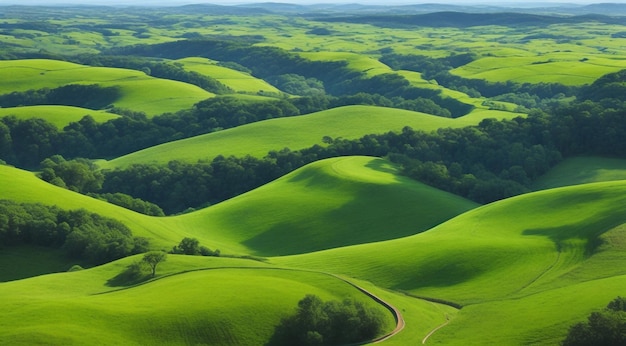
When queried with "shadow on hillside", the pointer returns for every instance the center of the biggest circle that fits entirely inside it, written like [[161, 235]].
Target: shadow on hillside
[[560, 235], [132, 275]]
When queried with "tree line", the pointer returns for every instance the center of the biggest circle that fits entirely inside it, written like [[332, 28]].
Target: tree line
[[80, 234], [490, 161]]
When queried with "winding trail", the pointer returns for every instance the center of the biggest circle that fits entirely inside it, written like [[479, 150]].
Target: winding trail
[[434, 330]]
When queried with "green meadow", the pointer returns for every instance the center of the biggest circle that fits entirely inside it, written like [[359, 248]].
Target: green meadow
[[517, 271], [60, 116], [164, 96], [299, 132]]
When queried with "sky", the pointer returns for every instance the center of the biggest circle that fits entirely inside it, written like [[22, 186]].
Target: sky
[[236, 2]]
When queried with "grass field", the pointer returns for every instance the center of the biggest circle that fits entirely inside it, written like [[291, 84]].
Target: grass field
[[236, 80], [164, 96], [60, 116], [299, 132]]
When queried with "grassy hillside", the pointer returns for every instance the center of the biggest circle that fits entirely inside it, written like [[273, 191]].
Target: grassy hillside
[[60, 116], [331, 203], [562, 68], [553, 248], [582, 170], [236, 80], [234, 306], [23, 186], [299, 132], [164, 96]]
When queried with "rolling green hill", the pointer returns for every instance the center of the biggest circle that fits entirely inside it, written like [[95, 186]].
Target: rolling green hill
[[164, 96], [60, 116], [236, 80], [289, 208], [329, 203], [582, 170], [547, 245], [299, 132]]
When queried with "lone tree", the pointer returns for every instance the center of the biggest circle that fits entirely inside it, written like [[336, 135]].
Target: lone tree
[[153, 258]]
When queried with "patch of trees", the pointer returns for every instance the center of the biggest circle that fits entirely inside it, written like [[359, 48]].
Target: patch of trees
[[81, 234], [159, 69], [178, 186], [92, 96], [80, 175], [328, 323], [606, 327], [129, 202], [192, 247], [297, 85]]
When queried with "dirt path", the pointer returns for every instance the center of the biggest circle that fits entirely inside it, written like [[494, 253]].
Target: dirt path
[[436, 329], [394, 311]]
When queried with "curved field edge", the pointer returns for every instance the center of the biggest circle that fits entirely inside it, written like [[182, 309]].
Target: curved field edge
[[299, 132], [223, 303]]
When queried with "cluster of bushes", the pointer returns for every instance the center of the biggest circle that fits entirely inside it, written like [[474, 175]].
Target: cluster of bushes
[[81, 234], [606, 327], [192, 247], [328, 323]]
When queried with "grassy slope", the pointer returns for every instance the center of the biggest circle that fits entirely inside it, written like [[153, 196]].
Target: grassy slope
[[243, 307], [330, 203], [236, 80], [566, 70], [60, 116], [582, 170], [289, 208], [540, 242], [165, 96], [295, 133]]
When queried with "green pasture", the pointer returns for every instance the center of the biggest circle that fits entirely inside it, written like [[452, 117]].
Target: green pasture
[[139, 91], [217, 306], [298, 132], [236, 80], [582, 170], [60, 116]]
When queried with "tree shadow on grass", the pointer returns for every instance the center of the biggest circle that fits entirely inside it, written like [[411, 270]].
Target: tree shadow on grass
[[134, 274]]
